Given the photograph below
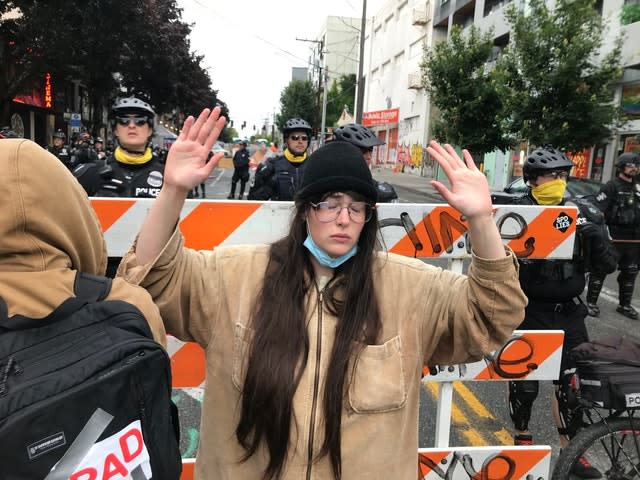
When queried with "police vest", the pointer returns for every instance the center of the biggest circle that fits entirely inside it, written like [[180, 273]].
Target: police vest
[[137, 181], [287, 177]]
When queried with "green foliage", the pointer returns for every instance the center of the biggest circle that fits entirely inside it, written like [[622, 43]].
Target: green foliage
[[228, 134], [341, 93], [556, 85], [630, 14], [456, 76], [112, 47], [299, 99]]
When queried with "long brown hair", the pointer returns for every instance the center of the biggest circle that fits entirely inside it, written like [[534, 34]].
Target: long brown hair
[[280, 345]]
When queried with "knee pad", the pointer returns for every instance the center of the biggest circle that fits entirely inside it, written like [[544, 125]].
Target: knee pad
[[628, 271], [522, 394], [596, 281]]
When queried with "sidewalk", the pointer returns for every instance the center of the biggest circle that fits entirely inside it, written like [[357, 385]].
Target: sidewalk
[[409, 182]]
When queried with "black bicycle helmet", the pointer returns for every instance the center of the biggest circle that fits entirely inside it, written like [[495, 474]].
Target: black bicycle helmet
[[132, 106], [60, 134], [357, 135], [296, 124], [542, 160], [627, 159]]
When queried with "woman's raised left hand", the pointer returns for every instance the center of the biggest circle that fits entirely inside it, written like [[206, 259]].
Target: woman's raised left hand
[[469, 190]]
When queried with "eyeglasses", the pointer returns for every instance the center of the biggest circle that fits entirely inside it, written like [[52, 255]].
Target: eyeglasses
[[295, 138], [359, 212], [562, 174], [366, 149], [138, 121]]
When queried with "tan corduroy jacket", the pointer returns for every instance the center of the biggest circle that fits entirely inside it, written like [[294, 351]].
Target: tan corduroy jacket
[[429, 315], [48, 232]]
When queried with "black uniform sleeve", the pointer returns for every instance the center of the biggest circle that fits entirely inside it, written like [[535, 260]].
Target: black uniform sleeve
[[605, 198], [600, 254]]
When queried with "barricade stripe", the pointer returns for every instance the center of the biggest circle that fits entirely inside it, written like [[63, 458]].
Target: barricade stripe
[[435, 233], [542, 347], [201, 234], [545, 236], [526, 460], [188, 468], [109, 211], [424, 461], [188, 366]]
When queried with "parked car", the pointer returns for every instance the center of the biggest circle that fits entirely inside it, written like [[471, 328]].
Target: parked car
[[219, 147], [578, 187]]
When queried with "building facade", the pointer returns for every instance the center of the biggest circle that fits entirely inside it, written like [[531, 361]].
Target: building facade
[[395, 39]]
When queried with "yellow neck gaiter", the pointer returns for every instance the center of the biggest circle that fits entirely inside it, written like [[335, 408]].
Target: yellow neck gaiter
[[293, 158], [130, 159], [550, 193]]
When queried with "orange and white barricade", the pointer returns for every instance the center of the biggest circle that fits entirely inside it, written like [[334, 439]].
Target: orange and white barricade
[[428, 231], [464, 463], [417, 230]]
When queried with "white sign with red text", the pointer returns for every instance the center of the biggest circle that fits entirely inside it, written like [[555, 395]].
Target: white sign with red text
[[116, 457]]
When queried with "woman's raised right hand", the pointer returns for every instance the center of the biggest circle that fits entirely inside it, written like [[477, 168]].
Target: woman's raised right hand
[[187, 164]]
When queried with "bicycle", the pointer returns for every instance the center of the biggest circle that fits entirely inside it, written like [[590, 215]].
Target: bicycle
[[608, 399], [612, 445]]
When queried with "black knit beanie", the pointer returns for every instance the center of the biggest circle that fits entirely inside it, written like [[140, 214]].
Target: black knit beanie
[[337, 167]]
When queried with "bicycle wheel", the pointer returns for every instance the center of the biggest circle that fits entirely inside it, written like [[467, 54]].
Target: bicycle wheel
[[612, 446]]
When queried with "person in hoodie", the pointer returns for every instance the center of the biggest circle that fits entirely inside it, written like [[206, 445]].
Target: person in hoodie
[[48, 233], [315, 344]]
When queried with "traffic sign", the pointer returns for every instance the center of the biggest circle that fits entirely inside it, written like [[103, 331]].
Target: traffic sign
[[75, 120]]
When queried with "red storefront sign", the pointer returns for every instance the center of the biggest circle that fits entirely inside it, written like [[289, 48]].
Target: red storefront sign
[[381, 117], [581, 162], [48, 91]]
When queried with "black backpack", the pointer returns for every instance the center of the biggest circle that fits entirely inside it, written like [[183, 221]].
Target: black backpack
[[86, 393]]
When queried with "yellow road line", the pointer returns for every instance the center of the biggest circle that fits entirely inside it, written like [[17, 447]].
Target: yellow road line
[[474, 403], [457, 416], [504, 437], [474, 437]]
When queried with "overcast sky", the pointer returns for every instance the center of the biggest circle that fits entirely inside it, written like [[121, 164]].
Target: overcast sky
[[250, 46]]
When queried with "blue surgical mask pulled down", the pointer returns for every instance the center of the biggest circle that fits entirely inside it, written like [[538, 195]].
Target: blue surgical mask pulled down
[[324, 258]]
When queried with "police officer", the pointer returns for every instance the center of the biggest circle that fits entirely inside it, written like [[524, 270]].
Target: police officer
[[98, 146], [240, 169], [553, 288], [619, 199], [59, 149], [132, 170], [366, 140], [82, 151], [360, 136], [280, 177]]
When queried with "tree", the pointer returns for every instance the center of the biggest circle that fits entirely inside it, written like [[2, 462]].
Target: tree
[[557, 81], [298, 99], [456, 75], [341, 93], [58, 37]]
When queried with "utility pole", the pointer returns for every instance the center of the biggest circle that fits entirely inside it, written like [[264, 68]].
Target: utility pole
[[360, 96], [324, 104], [321, 72]]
